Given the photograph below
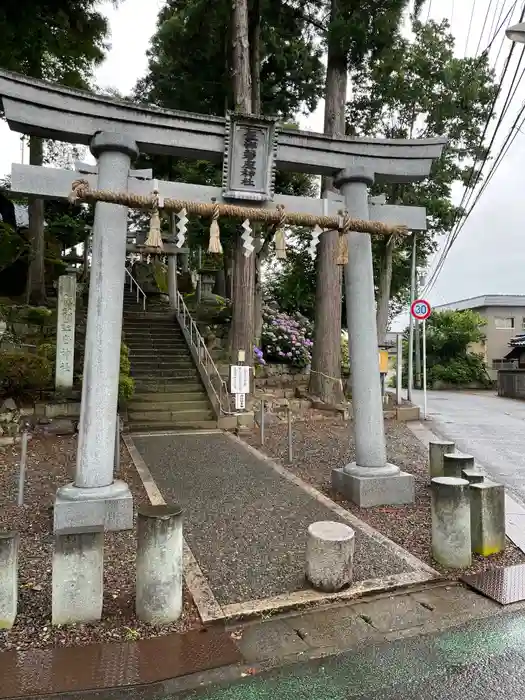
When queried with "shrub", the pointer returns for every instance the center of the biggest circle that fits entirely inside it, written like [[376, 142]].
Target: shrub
[[286, 338], [126, 387], [125, 365], [23, 371], [49, 351], [38, 315], [469, 369]]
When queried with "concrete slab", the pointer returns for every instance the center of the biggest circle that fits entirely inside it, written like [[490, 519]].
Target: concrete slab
[[394, 613], [450, 601], [272, 640], [335, 628]]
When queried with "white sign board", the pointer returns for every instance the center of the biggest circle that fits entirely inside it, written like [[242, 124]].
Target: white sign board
[[240, 379], [240, 402]]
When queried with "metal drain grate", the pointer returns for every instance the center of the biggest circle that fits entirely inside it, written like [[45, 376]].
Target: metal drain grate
[[504, 585]]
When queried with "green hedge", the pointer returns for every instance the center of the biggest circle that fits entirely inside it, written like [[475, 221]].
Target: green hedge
[[24, 371]]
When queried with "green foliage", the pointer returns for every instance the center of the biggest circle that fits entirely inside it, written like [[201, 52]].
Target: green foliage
[[460, 371], [190, 65], [125, 365], [418, 88], [12, 245], [291, 284], [23, 371], [38, 315], [450, 358], [126, 384], [59, 40], [126, 388], [49, 351]]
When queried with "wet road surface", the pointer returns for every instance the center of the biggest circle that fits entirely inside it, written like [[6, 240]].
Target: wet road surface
[[483, 659], [490, 428]]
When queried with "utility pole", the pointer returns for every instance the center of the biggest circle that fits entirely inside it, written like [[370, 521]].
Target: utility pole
[[410, 382]]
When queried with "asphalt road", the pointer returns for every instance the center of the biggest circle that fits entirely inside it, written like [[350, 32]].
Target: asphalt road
[[490, 428], [483, 659]]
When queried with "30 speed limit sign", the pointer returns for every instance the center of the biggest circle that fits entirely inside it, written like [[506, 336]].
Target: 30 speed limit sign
[[420, 309]]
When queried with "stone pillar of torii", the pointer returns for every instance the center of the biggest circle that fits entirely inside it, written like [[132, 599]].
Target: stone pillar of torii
[[251, 149]]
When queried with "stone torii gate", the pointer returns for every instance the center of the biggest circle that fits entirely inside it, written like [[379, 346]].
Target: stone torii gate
[[250, 149]]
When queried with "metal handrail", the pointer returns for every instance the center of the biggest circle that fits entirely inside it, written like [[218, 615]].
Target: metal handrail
[[133, 281], [203, 354]]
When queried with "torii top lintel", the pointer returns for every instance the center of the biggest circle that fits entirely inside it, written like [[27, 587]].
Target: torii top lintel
[[39, 108]]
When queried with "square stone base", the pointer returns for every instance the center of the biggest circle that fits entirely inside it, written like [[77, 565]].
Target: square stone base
[[114, 514], [374, 491]]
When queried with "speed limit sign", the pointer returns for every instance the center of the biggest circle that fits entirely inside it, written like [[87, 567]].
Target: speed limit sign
[[420, 309]]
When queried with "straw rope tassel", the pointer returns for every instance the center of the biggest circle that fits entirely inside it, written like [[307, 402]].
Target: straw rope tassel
[[154, 239], [279, 237], [215, 245]]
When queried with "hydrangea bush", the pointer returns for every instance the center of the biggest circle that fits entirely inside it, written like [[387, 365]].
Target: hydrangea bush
[[285, 338]]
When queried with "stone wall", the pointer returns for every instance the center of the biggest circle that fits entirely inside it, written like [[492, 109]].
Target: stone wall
[[53, 418], [285, 376]]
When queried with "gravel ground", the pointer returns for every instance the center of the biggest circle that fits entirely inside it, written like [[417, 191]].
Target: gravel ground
[[245, 524], [50, 464], [320, 446]]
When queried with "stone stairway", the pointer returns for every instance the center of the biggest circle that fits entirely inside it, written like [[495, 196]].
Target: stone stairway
[[169, 393]]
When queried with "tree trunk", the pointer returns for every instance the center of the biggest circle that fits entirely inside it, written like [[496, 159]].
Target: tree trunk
[[254, 39], [243, 267], [242, 84], [36, 281], [385, 283], [325, 377]]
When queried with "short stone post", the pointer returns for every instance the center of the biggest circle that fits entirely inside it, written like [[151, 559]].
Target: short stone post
[[65, 350], [8, 578], [329, 555], [437, 449], [473, 476], [455, 462], [487, 517], [77, 579], [451, 544], [159, 564]]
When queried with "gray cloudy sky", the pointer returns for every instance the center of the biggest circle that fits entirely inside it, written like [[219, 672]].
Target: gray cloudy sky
[[489, 254]]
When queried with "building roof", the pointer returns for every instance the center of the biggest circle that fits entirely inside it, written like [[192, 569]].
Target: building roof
[[483, 301]]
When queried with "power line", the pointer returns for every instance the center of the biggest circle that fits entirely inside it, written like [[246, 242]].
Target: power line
[[511, 136], [483, 28], [470, 25], [471, 185]]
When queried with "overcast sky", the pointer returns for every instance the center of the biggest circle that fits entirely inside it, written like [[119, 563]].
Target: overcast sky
[[489, 254]]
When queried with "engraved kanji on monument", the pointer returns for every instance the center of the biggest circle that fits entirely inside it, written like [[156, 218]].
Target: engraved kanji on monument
[[249, 158], [65, 352]]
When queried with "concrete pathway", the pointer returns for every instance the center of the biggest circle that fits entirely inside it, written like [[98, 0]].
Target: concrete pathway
[[492, 430], [245, 524]]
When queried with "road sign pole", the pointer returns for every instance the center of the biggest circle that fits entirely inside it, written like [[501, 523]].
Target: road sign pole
[[399, 368], [424, 369]]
